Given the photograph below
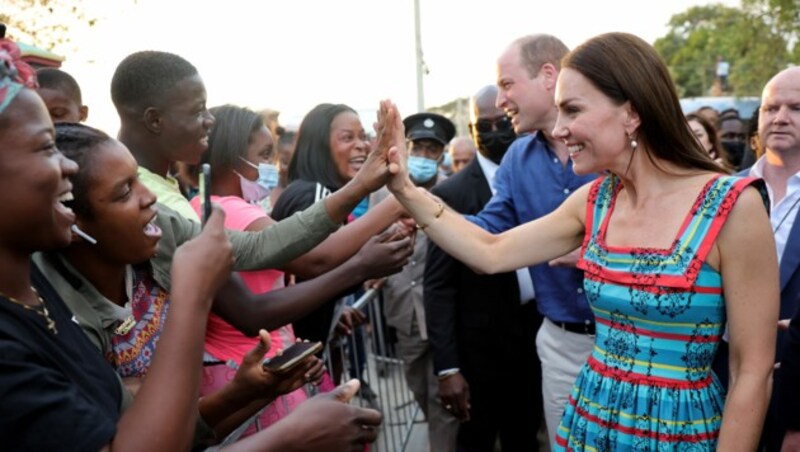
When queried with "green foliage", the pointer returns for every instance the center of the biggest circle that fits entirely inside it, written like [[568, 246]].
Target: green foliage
[[783, 15], [754, 47], [44, 23]]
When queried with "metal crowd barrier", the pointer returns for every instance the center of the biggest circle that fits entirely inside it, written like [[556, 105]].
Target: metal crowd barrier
[[383, 372]]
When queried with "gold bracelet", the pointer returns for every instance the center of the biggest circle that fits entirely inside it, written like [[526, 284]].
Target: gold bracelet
[[436, 216]]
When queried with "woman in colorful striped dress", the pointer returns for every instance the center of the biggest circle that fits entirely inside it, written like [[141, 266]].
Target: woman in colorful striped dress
[[660, 314], [672, 251]]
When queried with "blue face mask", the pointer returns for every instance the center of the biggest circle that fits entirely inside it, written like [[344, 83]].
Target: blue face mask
[[422, 170], [268, 175], [448, 161]]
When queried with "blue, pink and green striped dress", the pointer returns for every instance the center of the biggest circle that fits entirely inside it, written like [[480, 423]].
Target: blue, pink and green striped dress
[[660, 313]]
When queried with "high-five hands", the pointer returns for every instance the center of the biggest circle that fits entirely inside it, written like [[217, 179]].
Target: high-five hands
[[375, 172], [392, 146]]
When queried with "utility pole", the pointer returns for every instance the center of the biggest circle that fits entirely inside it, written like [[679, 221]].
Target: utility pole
[[421, 69]]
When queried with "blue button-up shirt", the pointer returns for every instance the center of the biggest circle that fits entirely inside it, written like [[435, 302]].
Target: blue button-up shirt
[[531, 182]]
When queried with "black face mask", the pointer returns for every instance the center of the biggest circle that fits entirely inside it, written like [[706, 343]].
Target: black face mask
[[495, 144], [735, 149]]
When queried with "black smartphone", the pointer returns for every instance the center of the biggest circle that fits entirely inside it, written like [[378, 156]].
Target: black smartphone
[[205, 192], [292, 356]]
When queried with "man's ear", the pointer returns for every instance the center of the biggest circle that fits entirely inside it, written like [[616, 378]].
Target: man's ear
[[83, 112], [153, 120], [549, 74], [472, 132]]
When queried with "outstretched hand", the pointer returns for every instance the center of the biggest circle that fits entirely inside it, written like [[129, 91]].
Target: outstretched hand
[[385, 254], [326, 422], [374, 173], [392, 145], [386, 162], [258, 382], [348, 320]]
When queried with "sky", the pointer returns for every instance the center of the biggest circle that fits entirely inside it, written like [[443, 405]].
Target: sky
[[293, 55]]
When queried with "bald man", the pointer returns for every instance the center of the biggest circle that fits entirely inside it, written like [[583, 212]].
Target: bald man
[[462, 151], [779, 133]]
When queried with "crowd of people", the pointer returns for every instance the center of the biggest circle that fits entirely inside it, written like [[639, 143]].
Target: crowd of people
[[590, 269]]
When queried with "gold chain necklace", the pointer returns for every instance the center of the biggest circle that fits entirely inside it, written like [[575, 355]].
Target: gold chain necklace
[[41, 309]]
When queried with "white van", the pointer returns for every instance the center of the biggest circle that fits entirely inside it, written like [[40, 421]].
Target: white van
[[745, 105]]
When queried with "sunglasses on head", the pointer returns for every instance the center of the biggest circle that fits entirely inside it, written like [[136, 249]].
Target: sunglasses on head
[[487, 125]]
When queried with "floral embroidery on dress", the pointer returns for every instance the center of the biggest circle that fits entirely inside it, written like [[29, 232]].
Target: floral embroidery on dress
[[132, 351], [660, 314]]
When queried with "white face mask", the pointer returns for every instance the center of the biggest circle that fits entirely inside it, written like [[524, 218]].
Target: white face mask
[[254, 191]]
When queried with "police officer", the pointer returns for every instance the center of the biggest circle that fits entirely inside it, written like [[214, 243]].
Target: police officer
[[428, 135]]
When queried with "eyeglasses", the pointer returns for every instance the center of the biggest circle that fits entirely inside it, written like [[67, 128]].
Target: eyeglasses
[[487, 125]]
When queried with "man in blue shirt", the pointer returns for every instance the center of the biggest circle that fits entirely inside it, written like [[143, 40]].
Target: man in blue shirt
[[534, 178]]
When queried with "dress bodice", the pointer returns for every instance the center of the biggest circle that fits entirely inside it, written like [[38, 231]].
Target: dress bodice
[[660, 315]]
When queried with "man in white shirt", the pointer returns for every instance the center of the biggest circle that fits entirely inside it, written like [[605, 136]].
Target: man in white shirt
[[779, 132]]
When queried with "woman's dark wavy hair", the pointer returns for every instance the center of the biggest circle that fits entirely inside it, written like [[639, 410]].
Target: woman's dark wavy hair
[[717, 149], [312, 160], [626, 68], [77, 142], [230, 136]]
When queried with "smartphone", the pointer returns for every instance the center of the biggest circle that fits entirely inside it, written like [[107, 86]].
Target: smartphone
[[205, 192], [292, 356]]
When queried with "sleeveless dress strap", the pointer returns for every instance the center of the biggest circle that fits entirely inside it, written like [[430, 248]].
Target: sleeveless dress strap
[[677, 266], [601, 194]]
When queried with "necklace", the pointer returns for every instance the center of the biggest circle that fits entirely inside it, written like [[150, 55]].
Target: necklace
[[41, 309]]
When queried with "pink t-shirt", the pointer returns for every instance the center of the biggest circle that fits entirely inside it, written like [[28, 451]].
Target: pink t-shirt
[[223, 341]]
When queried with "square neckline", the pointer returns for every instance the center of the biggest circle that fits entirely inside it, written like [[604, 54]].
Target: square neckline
[[688, 218]]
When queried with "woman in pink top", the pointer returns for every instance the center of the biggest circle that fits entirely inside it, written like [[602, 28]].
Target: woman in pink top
[[241, 154]]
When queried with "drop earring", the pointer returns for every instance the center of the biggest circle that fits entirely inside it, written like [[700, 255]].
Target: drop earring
[[634, 143]]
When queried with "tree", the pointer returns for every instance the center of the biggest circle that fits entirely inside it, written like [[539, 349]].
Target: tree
[[753, 47], [45, 23], [783, 15]]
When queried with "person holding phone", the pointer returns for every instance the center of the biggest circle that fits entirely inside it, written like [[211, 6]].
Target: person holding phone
[[161, 101], [111, 288], [240, 149], [205, 192], [57, 390], [94, 275]]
